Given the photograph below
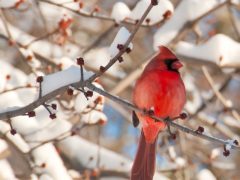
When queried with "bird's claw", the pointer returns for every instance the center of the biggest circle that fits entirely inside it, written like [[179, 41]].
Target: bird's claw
[[135, 119]]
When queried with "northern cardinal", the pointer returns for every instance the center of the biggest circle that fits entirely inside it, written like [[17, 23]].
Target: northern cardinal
[[159, 90]]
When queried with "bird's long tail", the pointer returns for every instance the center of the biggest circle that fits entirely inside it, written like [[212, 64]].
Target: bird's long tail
[[144, 164]]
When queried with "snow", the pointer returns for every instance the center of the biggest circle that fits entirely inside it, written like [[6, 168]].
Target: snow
[[187, 10], [6, 170], [74, 174], [94, 117], [196, 99], [215, 153], [82, 151], [156, 13], [232, 1], [230, 121], [91, 112], [229, 144], [93, 59], [8, 3], [28, 53], [120, 11], [45, 177], [172, 152], [17, 77], [121, 38], [235, 2], [205, 174], [62, 78], [50, 50], [32, 126], [220, 49], [19, 142], [82, 103], [66, 62], [54, 165], [181, 162], [20, 97], [100, 57], [4, 127], [3, 146]]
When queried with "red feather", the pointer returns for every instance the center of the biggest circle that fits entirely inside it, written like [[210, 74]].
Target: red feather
[[161, 89]]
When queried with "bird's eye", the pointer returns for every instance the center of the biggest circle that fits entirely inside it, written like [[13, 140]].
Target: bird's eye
[[169, 62]]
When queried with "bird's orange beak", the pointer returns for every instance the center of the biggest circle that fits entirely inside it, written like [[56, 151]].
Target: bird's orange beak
[[176, 65]]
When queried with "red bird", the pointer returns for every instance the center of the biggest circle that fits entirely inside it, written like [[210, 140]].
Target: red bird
[[161, 90]]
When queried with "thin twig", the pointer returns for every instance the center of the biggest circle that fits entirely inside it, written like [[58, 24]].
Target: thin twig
[[227, 104], [17, 88], [121, 52], [96, 16], [169, 122], [233, 21]]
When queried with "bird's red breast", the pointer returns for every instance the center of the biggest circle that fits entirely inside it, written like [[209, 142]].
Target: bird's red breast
[[161, 89]]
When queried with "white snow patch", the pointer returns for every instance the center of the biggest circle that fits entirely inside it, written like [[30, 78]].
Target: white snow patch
[[62, 78], [156, 13], [100, 57], [196, 101], [120, 11], [54, 165], [215, 153], [121, 38], [220, 49], [93, 117], [6, 170], [3, 146], [82, 103], [8, 3], [19, 142], [205, 174], [187, 10]]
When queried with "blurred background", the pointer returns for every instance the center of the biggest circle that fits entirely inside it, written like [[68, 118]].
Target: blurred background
[[40, 37]]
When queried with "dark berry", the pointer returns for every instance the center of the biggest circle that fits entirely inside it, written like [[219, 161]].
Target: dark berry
[[150, 112], [101, 122], [236, 142], [128, 50], [200, 129], [73, 133], [183, 115], [148, 20], [226, 153], [81, 5], [80, 61], [167, 14], [8, 77], [96, 9], [53, 116], [13, 131], [154, 2], [89, 93], [43, 165], [39, 79], [69, 91], [29, 58], [102, 69], [120, 59], [31, 114], [120, 47], [54, 106], [173, 136]]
